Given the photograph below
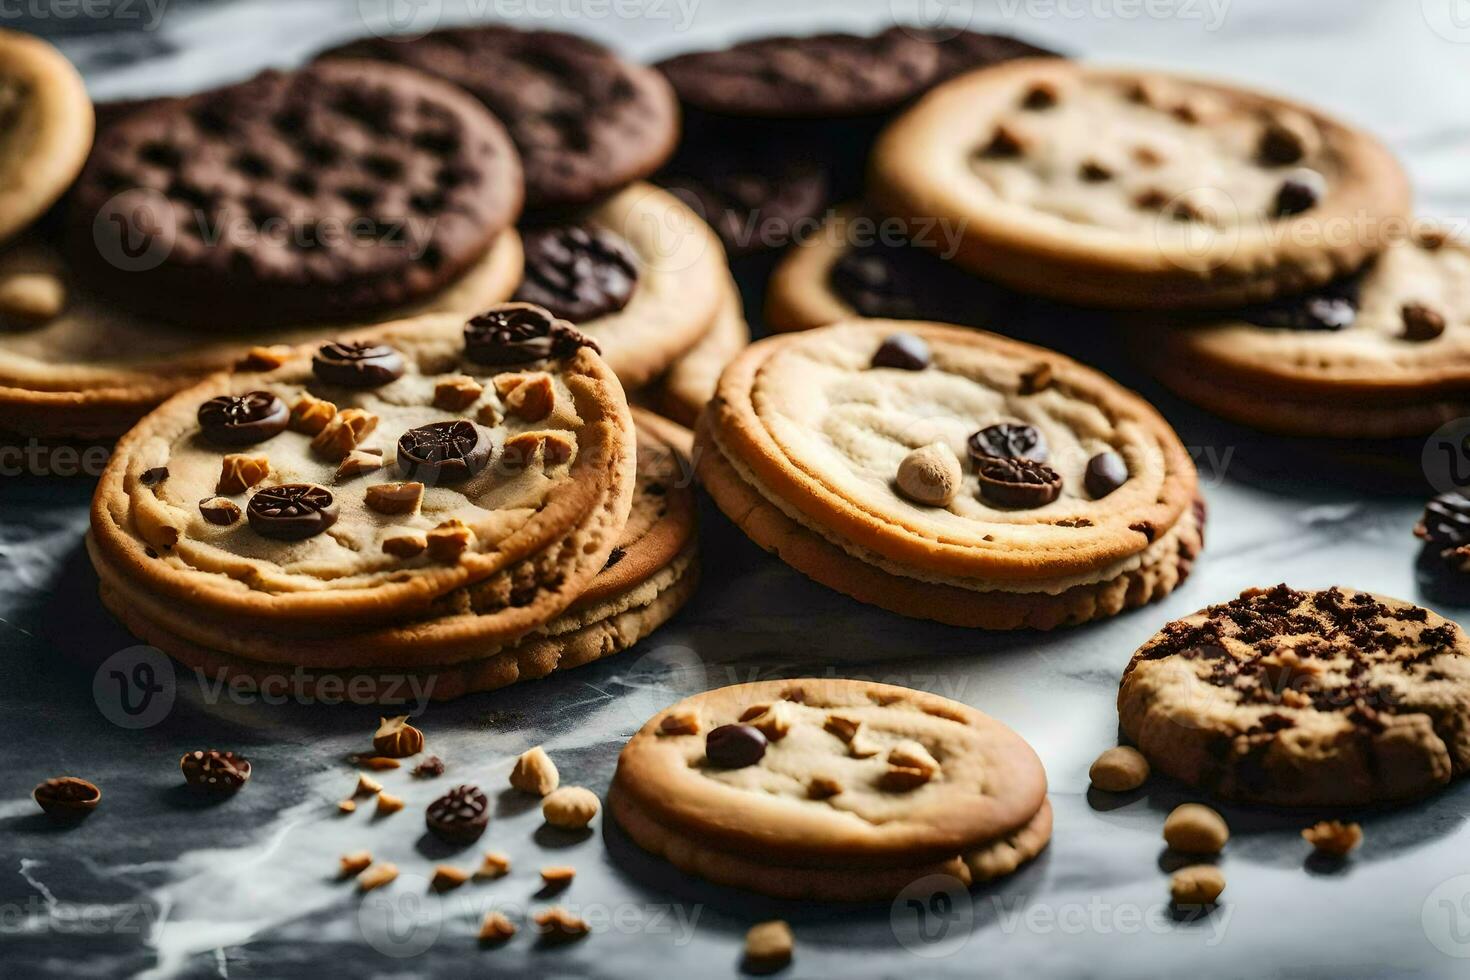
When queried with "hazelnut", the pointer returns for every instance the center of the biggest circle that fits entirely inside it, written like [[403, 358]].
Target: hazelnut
[[1120, 769], [534, 772], [31, 296], [1198, 884], [570, 808], [239, 472], [1195, 829], [396, 738], [394, 498], [930, 475]]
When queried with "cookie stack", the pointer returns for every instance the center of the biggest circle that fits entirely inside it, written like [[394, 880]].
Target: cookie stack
[[952, 475], [461, 504]]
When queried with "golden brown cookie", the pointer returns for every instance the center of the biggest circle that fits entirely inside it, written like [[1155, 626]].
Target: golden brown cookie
[[690, 383], [46, 128]]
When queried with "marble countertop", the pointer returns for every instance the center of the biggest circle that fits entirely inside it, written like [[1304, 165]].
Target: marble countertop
[[158, 885]]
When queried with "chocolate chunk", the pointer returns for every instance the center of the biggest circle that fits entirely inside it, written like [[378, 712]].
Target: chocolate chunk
[[243, 420], [154, 476], [1446, 521], [356, 365], [428, 769], [734, 746], [1330, 307], [577, 273], [459, 816], [67, 799], [1421, 323], [617, 555], [444, 452], [214, 771], [904, 351], [1093, 172], [1280, 145], [1016, 482], [1106, 472], [897, 281], [1040, 96], [515, 335], [1009, 440], [292, 511], [1299, 192]]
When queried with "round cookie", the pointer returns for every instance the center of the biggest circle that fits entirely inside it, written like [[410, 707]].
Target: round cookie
[[690, 383], [1131, 189], [650, 573], [332, 192], [1327, 698], [586, 122], [756, 196], [966, 51], [648, 270], [45, 128], [857, 266], [828, 447], [830, 789], [1382, 354], [362, 482], [91, 370]]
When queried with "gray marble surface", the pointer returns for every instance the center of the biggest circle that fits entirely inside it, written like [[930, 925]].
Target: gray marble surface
[[157, 885]]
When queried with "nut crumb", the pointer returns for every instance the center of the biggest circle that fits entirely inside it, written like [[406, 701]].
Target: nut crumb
[[1198, 884], [367, 785], [570, 808], [447, 877], [768, 946], [683, 721], [1333, 837], [556, 924], [239, 472], [449, 540], [355, 863], [388, 803], [494, 865], [394, 498], [1195, 829], [558, 875], [457, 393], [377, 876], [496, 928], [1120, 769], [823, 788], [534, 772]]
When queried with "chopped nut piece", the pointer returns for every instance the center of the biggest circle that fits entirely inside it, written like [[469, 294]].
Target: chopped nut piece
[[768, 946], [1421, 322], [842, 726], [558, 875], [457, 393], [347, 806], [367, 785], [1120, 769], [379, 762], [862, 746], [1094, 172], [534, 772], [264, 358], [396, 738], [1198, 884], [447, 877], [684, 721], [929, 475], [429, 768], [220, 511], [310, 415], [355, 863], [1195, 829], [489, 415], [31, 296], [1151, 199], [358, 463], [344, 433], [1005, 142], [555, 448], [377, 876], [570, 808], [910, 754], [394, 498], [449, 540], [1035, 379], [901, 779], [496, 928], [1042, 95], [773, 720], [529, 396], [388, 803], [823, 787], [239, 472], [1147, 156], [494, 865], [405, 545], [556, 924], [1333, 837]]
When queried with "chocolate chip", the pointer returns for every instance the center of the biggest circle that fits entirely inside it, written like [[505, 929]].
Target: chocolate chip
[[215, 771], [1040, 96], [243, 420], [1280, 145], [1093, 172], [1446, 521], [1331, 307], [617, 555], [1014, 482], [1106, 472], [576, 272], [1005, 144], [444, 452], [904, 351], [734, 746], [1009, 440], [520, 335], [355, 365], [1299, 192], [459, 816], [292, 511], [1421, 322], [154, 476]]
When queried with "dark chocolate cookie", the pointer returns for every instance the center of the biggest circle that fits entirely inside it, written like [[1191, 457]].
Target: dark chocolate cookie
[[585, 121], [822, 76], [335, 191], [970, 50], [753, 204]]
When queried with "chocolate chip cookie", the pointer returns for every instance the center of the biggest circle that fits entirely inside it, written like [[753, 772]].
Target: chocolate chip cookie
[[689, 384], [951, 474], [1382, 353], [1134, 189], [45, 128], [831, 789], [332, 192], [1326, 698], [586, 122]]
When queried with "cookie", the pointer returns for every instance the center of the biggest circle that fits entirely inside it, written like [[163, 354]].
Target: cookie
[[1384, 353], [1197, 195], [1325, 698], [360, 482], [333, 192], [92, 370], [756, 196], [830, 789], [856, 265], [650, 573], [45, 129], [690, 383], [586, 122], [951, 474], [640, 273], [966, 51]]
